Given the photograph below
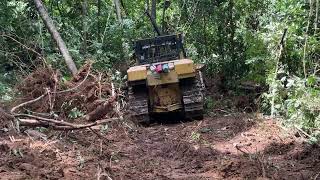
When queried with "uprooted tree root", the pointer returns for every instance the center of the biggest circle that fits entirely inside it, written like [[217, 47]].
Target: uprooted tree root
[[46, 100]]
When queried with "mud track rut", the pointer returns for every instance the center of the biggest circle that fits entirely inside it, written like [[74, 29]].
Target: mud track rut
[[237, 146]]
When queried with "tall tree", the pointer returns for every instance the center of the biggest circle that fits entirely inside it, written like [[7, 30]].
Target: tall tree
[[154, 10], [56, 36], [118, 10], [98, 19], [85, 25]]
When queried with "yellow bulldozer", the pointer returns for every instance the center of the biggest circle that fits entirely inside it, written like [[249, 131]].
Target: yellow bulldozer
[[164, 80]]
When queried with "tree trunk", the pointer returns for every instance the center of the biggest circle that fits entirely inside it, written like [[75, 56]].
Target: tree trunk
[[118, 10], [85, 25], [124, 8], [98, 19], [232, 31], [316, 18], [56, 36], [204, 31], [154, 10]]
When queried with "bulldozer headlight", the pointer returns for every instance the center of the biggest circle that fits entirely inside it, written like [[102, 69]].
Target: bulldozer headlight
[[152, 68], [165, 68], [171, 66]]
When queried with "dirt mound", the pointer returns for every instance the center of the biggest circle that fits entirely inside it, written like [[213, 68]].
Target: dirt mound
[[309, 154], [279, 148], [20, 161], [187, 152], [171, 152]]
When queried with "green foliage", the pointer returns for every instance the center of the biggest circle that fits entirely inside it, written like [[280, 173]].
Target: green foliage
[[299, 102], [195, 136], [17, 152], [75, 113], [209, 104], [293, 94], [6, 92], [104, 129]]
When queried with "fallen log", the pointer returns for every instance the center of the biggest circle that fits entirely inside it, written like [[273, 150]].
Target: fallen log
[[31, 123], [83, 126], [46, 119], [60, 125]]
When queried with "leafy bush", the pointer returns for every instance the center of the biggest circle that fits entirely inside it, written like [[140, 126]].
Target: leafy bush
[[298, 101]]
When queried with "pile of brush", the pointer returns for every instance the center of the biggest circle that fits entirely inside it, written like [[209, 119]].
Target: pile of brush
[[46, 99]]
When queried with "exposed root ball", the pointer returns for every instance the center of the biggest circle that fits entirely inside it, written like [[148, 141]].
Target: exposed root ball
[[35, 84], [82, 94]]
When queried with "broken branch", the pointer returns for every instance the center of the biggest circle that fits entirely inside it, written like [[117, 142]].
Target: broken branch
[[61, 125], [30, 102]]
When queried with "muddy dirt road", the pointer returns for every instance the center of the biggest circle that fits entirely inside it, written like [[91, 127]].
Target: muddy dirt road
[[234, 146]]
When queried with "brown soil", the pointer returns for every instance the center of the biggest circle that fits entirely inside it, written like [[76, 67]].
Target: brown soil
[[234, 146]]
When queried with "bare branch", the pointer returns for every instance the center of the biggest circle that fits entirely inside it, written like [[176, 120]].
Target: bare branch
[[30, 102], [46, 119], [58, 125]]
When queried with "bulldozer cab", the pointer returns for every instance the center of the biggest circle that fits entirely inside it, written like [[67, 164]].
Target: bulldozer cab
[[159, 49]]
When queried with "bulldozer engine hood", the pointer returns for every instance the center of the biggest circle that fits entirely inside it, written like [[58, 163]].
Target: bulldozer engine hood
[[182, 68]]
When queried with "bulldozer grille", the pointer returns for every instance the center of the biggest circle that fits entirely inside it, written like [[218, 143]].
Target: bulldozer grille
[[159, 49]]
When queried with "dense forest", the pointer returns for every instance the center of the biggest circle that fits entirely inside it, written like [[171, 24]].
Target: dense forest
[[273, 45]]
